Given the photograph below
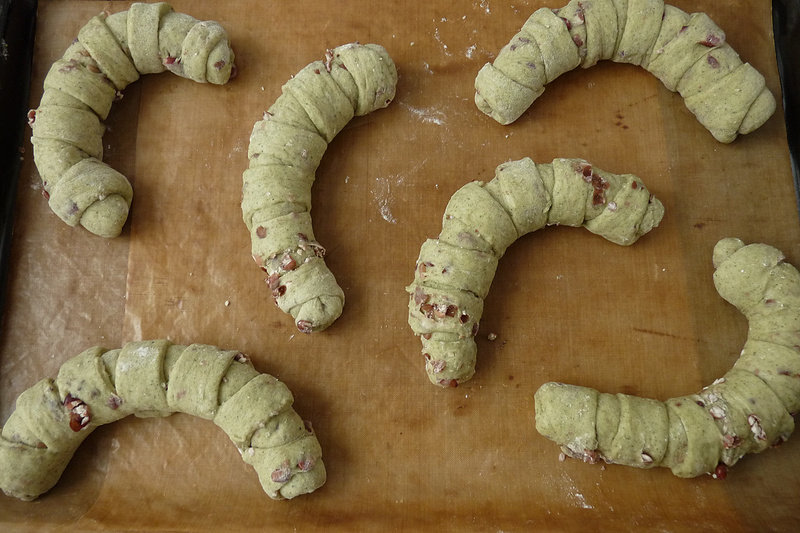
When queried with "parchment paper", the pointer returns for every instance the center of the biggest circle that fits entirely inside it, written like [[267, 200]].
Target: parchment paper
[[565, 305]]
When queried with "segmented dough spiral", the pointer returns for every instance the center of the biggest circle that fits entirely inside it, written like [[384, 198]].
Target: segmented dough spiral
[[158, 378], [746, 411], [454, 272], [687, 52], [111, 51], [285, 149]]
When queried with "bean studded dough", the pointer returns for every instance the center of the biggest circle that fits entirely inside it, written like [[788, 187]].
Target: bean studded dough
[[111, 51], [687, 52], [746, 411], [158, 378], [286, 147], [453, 272]]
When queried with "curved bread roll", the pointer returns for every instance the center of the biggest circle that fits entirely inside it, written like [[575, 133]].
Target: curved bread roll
[[111, 51], [285, 149], [454, 272], [158, 378], [687, 52], [746, 411]]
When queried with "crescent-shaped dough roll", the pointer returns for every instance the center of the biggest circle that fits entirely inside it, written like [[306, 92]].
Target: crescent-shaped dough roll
[[286, 147], [111, 51], [746, 411], [158, 378], [687, 52], [453, 272]]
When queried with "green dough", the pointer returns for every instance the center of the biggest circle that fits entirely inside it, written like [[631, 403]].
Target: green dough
[[574, 16], [285, 149], [673, 21], [748, 410], [453, 272], [671, 61], [702, 446], [158, 378], [724, 104], [142, 378], [111, 52], [642, 26], [580, 437], [501, 97], [559, 53], [688, 53], [600, 17]]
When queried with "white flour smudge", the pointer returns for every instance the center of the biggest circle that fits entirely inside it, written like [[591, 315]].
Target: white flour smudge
[[439, 40], [384, 197], [470, 51], [386, 212], [426, 115], [582, 501], [576, 495], [383, 194]]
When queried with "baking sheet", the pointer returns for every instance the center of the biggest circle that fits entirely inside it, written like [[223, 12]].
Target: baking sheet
[[565, 305]]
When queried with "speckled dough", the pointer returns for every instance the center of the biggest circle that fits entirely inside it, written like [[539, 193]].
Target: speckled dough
[[453, 273], [285, 149], [746, 411], [111, 52], [688, 53], [158, 378]]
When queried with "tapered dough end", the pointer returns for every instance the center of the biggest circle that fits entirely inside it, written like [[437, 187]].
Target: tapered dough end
[[741, 277], [762, 109], [724, 249], [85, 184], [282, 448], [220, 65], [722, 107], [289, 470], [310, 294], [26, 472], [566, 414], [318, 313], [304, 482], [106, 217], [500, 97], [652, 217], [634, 214], [373, 72], [36, 442], [449, 363]]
